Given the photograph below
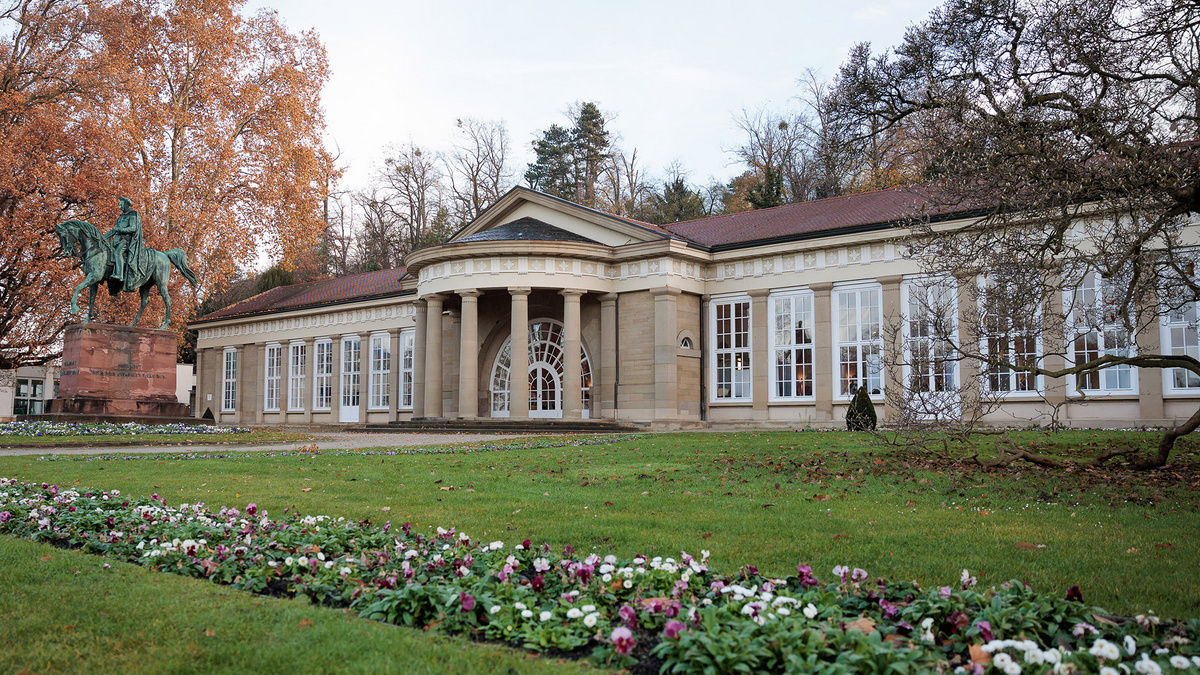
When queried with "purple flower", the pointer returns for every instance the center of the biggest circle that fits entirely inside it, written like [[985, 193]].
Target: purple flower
[[751, 570], [945, 591], [859, 574], [568, 550], [251, 509], [622, 639], [467, 600], [1074, 594], [628, 615], [959, 620], [985, 630], [5, 516], [889, 610], [538, 583], [673, 629]]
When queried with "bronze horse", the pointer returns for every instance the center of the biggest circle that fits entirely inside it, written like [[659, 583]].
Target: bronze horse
[[81, 238]]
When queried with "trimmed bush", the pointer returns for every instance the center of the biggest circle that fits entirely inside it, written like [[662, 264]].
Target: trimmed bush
[[861, 415]]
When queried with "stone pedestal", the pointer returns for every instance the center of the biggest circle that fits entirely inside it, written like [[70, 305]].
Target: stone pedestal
[[118, 373]]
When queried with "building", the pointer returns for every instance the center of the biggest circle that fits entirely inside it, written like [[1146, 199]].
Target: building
[[763, 318], [28, 390]]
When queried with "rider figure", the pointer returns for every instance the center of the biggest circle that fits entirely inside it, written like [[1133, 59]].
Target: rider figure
[[127, 239]]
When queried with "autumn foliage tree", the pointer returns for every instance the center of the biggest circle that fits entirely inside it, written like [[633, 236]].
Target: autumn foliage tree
[[209, 120]]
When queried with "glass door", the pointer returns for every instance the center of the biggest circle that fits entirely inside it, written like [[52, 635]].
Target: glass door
[[351, 368]]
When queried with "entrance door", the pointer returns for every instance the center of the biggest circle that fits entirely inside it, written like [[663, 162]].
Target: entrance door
[[545, 391], [351, 367]]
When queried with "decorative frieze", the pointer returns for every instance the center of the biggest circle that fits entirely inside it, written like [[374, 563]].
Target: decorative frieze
[[376, 313]]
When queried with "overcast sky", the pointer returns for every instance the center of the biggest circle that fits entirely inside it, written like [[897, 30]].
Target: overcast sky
[[670, 74]]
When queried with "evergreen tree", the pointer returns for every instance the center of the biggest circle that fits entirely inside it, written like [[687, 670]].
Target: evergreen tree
[[767, 192], [591, 148], [676, 203], [275, 276], [553, 168], [860, 416]]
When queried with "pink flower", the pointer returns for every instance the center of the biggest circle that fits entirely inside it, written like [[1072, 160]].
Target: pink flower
[[985, 630], [628, 615], [673, 629], [945, 592], [858, 574], [251, 509], [622, 639], [467, 600], [5, 516]]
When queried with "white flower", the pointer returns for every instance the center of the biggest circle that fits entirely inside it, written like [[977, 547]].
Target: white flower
[[1013, 668], [591, 619], [410, 554], [519, 605], [627, 583], [574, 613], [810, 611], [1103, 649], [328, 564], [784, 611], [1109, 670], [288, 561], [526, 613], [494, 609], [345, 570], [588, 609], [546, 616], [303, 560], [1148, 667], [1130, 645], [1180, 662], [606, 578], [1000, 660], [496, 545]]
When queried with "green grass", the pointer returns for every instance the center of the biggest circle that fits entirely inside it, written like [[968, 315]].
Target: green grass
[[1130, 540], [253, 437]]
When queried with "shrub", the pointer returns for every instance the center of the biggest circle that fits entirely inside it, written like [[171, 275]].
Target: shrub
[[861, 414]]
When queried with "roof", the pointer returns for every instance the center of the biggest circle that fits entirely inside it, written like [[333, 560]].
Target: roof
[[881, 207], [314, 293], [526, 229]]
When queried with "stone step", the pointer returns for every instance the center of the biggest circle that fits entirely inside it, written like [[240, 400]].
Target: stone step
[[491, 425]]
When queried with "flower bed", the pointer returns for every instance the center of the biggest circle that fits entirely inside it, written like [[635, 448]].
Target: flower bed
[[649, 614], [110, 429]]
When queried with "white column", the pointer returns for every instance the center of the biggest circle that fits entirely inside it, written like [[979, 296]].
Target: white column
[[394, 376], [468, 356], [518, 375], [433, 356], [572, 353]]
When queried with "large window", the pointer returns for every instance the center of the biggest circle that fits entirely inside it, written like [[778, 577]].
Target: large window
[[407, 354], [930, 329], [1011, 339], [859, 340], [792, 345], [381, 371], [323, 375], [351, 372], [29, 397], [1180, 339], [731, 350], [1094, 332], [297, 374], [272, 372], [229, 380]]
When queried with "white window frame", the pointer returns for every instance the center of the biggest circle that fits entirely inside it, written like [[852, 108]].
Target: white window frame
[[229, 383], [909, 341], [408, 355], [380, 366], [793, 299], [739, 392], [1184, 323], [1073, 333], [297, 375], [1038, 389], [836, 315], [323, 379], [272, 376]]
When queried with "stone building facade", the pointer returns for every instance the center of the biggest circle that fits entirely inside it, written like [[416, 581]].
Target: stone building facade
[[764, 318]]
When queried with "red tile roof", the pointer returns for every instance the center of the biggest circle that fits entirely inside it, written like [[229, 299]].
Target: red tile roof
[[313, 293], [821, 215]]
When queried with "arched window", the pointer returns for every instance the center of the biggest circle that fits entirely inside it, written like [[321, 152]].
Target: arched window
[[545, 373]]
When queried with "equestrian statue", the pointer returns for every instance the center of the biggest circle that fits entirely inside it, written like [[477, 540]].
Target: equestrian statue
[[121, 258]]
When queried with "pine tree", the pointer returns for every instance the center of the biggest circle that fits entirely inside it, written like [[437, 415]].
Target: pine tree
[[553, 168], [860, 416], [676, 203], [769, 191], [591, 152]]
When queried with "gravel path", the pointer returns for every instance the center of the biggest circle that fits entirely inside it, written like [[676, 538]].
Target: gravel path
[[338, 440]]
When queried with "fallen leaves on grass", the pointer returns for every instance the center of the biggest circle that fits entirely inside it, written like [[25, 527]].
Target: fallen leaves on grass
[[863, 624], [306, 623]]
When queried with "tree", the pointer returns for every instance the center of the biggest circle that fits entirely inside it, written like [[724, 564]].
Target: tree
[[413, 180], [568, 163], [220, 118], [274, 277], [553, 167], [477, 167], [768, 191], [1069, 127], [58, 160], [624, 189], [676, 203]]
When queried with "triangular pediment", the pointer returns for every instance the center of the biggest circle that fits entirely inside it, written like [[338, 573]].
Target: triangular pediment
[[523, 214]]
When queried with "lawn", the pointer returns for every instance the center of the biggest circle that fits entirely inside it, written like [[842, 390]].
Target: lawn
[[256, 436], [769, 499]]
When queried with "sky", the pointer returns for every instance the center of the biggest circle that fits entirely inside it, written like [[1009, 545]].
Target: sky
[[669, 75]]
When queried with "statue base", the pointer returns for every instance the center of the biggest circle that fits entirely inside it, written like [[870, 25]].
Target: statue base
[[118, 374]]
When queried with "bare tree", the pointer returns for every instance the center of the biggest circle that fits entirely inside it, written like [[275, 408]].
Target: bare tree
[[477, 167], [413, 179], [1067, 127], [624, 187]]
